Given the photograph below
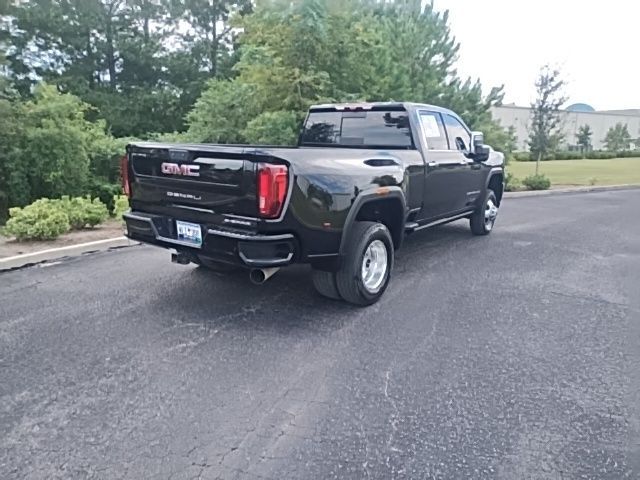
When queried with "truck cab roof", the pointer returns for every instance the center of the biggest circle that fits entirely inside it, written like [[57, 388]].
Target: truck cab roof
[[408, 106]]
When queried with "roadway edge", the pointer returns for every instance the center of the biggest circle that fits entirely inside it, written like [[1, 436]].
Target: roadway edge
[[564, 191], [27, 259]]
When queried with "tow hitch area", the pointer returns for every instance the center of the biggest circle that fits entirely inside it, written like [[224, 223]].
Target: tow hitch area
[[180, 258]]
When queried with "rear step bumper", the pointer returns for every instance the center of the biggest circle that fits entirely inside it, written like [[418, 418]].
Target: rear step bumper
[[244, 249]]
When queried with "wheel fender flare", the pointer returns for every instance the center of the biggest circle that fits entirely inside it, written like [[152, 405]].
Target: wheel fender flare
[[492, 173], [393, 192]]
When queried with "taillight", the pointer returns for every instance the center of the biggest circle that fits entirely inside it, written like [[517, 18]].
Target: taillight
[[273, 181], [124, 175]]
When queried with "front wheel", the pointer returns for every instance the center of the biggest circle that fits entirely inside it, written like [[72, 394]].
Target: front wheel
[[366, 268], [484, 218]]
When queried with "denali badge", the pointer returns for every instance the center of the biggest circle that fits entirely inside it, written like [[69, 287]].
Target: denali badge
[[188, 196], [175, 169]]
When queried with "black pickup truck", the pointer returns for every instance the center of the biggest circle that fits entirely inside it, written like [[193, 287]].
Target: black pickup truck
[[362, 176]]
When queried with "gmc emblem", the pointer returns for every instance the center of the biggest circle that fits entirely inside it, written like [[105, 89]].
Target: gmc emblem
[[185, 170]]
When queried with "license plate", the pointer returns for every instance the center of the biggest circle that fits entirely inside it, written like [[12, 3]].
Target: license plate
[[189, 232]]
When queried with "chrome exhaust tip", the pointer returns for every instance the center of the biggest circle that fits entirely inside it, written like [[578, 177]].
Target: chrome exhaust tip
[[260, 275]]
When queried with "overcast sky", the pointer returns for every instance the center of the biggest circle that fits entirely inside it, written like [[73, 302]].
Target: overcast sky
[[594, 43]]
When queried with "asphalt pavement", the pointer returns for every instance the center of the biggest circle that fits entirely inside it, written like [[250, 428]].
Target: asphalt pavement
[[513, 356]]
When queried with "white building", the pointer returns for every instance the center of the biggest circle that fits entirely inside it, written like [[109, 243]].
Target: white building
[[573, 118]]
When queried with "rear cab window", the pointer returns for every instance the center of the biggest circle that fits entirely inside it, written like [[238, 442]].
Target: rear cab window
[[374, 128]]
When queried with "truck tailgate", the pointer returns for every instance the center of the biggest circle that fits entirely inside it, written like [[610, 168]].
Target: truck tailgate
[[220, 179]]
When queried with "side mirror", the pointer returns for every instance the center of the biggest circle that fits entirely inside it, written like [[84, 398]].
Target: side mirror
[[477, 141], [479, 151]]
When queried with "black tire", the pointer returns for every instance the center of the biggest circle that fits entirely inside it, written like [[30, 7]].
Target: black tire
[[214, 266], [480, 224], [325, 284], [349, 278]]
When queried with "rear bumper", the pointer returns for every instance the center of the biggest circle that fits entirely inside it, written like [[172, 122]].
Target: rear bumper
[[223, 245]]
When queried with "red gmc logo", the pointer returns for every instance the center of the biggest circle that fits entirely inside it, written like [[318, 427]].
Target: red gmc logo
[[185, 170]]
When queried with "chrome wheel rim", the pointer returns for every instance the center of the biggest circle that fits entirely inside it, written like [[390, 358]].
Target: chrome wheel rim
[[490, 214], [374, 266]]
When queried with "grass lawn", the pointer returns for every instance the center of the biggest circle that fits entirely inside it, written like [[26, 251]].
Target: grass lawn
[[616, 171]]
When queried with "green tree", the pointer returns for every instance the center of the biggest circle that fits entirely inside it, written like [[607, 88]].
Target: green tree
[[294, 54], [502, 139], [141, 63], [274, 128], [617, 138], [210, 36], [10, 128], [583, 138], [544, 132], [53, 149], [222, 112]]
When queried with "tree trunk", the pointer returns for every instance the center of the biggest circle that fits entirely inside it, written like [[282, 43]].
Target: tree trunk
[[91, 75], [538, 162], [214, 48], [111, 61], [145, 27]]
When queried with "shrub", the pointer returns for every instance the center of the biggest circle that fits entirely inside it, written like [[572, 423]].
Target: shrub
[[521, 156], [121, 205], [84, 212], [568, 156], [537, 182], [603, 155], [106, 192], [44, 219], [511, 183]]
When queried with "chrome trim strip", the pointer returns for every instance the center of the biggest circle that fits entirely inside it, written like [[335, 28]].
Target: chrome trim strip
[[323, 255], [205, 210], [255, 238], [265, 261], [443, 220]]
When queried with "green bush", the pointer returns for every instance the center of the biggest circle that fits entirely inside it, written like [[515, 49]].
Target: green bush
[[44, 219], [106, 192], [604, 155], [537, 182], [521, 156], [566, 155], [83, 212], [121, 205], [511, 183]]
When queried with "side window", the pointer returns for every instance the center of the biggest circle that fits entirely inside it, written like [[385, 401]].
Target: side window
[[459, 136], [433, 130]]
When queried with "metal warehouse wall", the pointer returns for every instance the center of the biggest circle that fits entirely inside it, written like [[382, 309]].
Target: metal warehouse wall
[[600, 122]]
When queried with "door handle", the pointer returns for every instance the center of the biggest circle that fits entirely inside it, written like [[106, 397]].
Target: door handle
[[432, 164]]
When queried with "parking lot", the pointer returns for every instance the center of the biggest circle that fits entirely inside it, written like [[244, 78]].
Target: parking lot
[[510, 356]]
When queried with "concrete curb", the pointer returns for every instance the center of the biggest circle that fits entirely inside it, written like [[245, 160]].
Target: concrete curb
[[18, 261], [563, 191]]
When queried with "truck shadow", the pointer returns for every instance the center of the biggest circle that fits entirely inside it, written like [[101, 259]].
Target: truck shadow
[[288, 300]]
